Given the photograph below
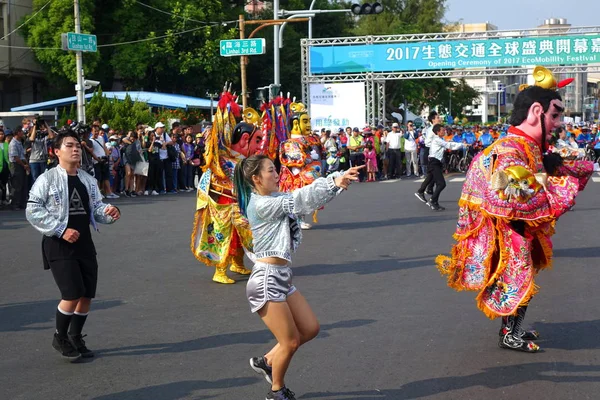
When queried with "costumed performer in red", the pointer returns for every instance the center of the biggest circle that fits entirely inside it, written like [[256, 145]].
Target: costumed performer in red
[[512, 197]]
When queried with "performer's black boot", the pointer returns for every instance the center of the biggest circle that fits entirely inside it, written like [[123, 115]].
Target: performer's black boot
[[525, 335], [511, 337]]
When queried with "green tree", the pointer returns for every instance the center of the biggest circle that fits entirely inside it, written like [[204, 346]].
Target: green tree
[[181, 63], [186, 63], [44, 35], [260, 68]]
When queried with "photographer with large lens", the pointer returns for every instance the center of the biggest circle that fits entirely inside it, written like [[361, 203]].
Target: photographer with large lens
[[101, 167]]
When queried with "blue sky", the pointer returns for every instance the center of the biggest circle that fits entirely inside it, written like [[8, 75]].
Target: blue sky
[[522, 14]]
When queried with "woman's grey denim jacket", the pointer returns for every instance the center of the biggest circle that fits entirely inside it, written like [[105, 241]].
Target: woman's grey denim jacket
[[274, 219], [48, 205]]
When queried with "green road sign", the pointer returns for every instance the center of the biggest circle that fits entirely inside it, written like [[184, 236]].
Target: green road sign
[[242, 47], [79, 42]]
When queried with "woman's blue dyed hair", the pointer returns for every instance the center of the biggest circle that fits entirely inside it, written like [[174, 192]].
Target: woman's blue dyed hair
[[242, 179]]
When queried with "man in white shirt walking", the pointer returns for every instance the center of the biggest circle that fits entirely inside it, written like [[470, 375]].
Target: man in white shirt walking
[[433, 119], [435, 167]]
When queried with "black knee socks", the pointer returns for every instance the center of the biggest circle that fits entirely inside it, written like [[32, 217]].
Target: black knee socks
[[63, 319], [77, 323]]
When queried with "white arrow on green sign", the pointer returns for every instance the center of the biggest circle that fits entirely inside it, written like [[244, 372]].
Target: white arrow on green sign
[[79, 42], [242, 47]]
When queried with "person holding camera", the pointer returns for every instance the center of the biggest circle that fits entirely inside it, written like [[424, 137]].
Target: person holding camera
[[19, 169], [62, 204], [37, 140], [101, 165]]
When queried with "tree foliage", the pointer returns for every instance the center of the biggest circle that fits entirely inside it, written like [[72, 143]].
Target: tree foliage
[[44, 35], [190, 63], [119, 115]]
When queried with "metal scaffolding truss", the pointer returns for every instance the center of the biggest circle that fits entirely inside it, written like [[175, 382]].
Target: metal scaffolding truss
[[375, 81], [454, 73], [442, 36], [380, 115]]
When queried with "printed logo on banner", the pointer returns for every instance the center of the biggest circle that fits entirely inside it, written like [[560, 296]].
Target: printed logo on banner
[[337, 105]]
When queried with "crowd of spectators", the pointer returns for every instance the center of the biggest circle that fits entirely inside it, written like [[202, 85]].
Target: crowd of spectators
[[141, 162], [149, 161], [398, 151]]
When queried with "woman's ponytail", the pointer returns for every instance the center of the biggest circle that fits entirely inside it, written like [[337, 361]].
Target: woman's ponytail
[[242, 188], [242, 179]]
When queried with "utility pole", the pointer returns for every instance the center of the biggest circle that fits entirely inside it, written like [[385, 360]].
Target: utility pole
[[243, 63], [276, 78], [79, 88]]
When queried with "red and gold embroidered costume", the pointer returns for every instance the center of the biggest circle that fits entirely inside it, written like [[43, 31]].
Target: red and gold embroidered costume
[[507, 212]]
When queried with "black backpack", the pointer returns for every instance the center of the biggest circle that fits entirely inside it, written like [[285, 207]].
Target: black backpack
[[171, 150], [133, 155]]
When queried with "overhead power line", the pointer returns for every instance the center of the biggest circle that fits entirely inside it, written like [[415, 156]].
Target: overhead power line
[[129, 41], [30, 18], [184, 18]]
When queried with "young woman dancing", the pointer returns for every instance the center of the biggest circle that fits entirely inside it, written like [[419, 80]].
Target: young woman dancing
[[276, 234]]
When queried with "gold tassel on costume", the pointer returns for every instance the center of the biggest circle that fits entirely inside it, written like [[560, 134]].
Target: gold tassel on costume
[[315, 220]]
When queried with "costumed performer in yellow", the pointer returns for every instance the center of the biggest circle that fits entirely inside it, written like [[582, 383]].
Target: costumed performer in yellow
[[220, 232], [512, 197]]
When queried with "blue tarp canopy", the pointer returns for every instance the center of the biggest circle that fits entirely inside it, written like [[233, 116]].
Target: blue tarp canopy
[[153, 99]]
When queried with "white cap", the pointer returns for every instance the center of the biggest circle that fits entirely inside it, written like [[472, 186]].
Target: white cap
[[149, 129], [104, 127], [395, 125], [159, 125]]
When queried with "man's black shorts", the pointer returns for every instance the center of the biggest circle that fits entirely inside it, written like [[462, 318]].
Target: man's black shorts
[[102, 171], [75, 278]]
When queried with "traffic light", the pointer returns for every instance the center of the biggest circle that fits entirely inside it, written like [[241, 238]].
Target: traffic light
[[366, 8]]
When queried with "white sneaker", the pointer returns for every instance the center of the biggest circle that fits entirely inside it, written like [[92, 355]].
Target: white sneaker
[[112, 196], [154, 193], [146, 193], [305, 225]]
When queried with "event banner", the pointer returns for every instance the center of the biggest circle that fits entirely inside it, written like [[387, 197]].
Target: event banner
[[455, 54], [337, 105]]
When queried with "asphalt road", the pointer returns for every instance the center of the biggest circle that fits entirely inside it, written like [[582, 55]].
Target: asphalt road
[[391, 328]]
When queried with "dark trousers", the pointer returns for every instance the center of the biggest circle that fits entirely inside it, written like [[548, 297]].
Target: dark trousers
[[4, 177], [188, 176], [181, 184], [395, 163], [426, 159], [19, 186], [155, 173], [168, 169], [358, 159], [435, 174]]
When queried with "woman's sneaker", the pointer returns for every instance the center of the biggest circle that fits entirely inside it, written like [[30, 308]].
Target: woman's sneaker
[[65, 348], [259, 364], [282, 394]]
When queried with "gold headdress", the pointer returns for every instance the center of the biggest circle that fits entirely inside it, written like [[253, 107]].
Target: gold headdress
[[297, 108], [544, 79]]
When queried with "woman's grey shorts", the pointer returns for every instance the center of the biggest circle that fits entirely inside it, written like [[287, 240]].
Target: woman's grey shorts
[[268, 282]]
